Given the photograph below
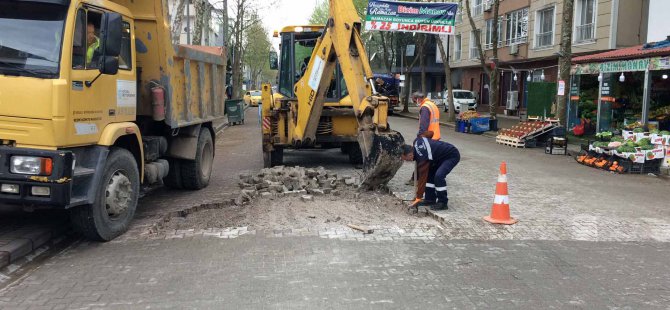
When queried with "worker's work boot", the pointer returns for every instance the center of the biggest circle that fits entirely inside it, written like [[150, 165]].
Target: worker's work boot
[[440, 206]]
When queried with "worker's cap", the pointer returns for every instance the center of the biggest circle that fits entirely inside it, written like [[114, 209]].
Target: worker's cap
[[418, 94]]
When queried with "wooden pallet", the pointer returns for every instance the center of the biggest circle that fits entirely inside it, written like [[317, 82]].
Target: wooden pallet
[[509, 141]]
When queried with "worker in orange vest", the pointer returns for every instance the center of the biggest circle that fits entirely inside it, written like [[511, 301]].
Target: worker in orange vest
[[429, 120]]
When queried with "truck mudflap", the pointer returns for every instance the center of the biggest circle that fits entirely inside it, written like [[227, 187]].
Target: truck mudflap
[[381, 157], [32, 189]]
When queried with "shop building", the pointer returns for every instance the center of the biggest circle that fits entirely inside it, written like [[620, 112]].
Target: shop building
[[529, 42], [622, 89]]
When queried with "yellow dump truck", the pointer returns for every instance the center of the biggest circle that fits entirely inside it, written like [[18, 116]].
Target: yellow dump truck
[[97, 105]]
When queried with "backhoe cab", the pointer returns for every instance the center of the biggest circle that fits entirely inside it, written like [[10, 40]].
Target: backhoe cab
[[326, 98]]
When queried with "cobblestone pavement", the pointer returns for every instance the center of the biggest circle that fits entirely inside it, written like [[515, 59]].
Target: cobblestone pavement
[[586, 239], [256, 272]]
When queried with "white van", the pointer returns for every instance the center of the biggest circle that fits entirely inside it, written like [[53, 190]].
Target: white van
[[461, 97]]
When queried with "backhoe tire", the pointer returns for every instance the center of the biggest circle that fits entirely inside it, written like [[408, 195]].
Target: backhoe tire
[[173, 179], [355, 154], [344, 149], [267, 159], [116, 199], [195, 174], [277, 157]]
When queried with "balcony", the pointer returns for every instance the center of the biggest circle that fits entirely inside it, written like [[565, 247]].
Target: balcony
[[585, 33], [544, 39]]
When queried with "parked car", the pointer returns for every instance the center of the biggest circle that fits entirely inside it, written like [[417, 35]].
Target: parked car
[[461, 97], [253, 98]]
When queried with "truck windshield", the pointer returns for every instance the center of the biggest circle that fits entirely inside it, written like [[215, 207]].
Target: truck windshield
[[30, 38]]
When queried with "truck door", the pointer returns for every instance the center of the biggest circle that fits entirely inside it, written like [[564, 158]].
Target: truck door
[[111, 98]]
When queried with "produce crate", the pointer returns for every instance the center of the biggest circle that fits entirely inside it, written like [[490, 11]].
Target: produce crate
[[479, 125]]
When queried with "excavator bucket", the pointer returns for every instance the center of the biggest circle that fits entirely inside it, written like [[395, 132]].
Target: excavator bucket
[[381, 158]]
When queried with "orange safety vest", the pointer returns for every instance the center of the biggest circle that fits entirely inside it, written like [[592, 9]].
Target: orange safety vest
[[434, 124]]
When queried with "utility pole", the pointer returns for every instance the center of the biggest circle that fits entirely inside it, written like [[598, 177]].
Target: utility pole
[[565, 60]]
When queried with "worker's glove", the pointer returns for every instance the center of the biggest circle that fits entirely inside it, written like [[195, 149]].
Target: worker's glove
[[416, 203]]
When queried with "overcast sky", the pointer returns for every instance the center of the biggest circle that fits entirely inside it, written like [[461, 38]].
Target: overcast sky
[[287, 13], [659, 23], [297, 12]]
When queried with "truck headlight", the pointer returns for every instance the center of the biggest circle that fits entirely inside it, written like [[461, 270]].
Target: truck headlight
[[31, 165]]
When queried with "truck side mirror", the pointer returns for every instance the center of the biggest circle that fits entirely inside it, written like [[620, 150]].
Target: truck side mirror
[[110, 34], [109, 65], [274, 60]]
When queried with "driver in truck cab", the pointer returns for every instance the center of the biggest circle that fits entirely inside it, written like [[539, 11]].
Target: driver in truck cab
[[92, 43]]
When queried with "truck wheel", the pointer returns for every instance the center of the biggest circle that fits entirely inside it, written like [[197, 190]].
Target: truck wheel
[[277, 157], [173, 179], [355, 154], [196, 173], [114, 207]]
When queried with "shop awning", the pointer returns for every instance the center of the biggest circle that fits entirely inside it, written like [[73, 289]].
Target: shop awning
[[652, 56]]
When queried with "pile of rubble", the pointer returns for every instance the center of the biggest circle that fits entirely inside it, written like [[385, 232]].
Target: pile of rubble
[[280, 181]]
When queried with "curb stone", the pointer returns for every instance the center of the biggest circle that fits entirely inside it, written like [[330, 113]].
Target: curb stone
[[18, 245]]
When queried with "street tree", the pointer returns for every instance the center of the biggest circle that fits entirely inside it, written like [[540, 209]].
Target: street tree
[[257, 48], [451, 116], [565, 58], [494, 87], [178, 20]]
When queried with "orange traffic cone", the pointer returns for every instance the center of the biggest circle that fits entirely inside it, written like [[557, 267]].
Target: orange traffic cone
[[500, 210]]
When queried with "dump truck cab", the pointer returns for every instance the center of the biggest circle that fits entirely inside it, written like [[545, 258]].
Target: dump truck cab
[[96, 102]]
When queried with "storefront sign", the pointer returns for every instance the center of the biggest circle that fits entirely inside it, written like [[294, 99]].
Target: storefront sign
[[612, 66], [659, 63], [434, 18]]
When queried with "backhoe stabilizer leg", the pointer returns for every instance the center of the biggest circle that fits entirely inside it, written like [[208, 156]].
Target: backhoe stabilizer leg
[[381, 157]]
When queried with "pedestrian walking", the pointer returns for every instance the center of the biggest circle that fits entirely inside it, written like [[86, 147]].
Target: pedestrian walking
[[435, 160]]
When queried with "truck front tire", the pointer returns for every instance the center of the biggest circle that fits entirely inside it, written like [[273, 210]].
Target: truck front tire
[[196, 173], [116, 199]]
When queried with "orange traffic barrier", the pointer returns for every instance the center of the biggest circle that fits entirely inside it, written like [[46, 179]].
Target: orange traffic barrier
[[500, 210]]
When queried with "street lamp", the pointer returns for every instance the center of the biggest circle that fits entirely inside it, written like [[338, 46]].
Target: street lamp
[[600, 77], [542, 76], [622, 78]]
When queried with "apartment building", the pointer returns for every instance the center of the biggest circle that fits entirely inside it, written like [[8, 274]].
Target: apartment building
[[529, 40]]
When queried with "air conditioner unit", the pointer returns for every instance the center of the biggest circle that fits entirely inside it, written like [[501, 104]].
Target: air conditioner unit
[[514, 49], [512, 100], [488, 6]]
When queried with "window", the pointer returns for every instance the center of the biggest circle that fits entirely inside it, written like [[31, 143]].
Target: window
[[474, 52], [517, 27], [86, 42], [459, 16], [285, 72], [585, 20], [489, 33], [457, 47], [545, 28], [125, 58], [31, 38], [477, 7]]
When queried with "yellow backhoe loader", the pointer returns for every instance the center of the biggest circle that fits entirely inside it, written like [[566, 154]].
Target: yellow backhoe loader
[[327, 98]]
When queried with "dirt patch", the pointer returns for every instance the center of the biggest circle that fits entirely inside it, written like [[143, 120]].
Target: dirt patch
[[324, 212]]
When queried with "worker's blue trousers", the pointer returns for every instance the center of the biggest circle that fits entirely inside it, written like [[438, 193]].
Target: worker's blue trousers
[[436, 186]]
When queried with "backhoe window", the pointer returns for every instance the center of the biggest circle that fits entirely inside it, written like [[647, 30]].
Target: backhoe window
[[285, 72], [31, 35]]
